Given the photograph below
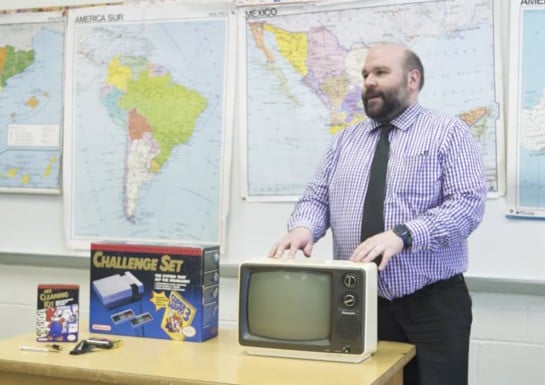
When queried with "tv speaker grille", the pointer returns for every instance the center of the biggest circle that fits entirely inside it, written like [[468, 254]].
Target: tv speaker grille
[[348, 326]]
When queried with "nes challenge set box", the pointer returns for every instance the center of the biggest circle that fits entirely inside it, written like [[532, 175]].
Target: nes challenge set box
[[167, 292]]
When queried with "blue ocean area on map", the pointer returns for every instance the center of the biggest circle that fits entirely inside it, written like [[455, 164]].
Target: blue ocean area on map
[[532, 179], [303, 116], [533, 76], [442, 56]]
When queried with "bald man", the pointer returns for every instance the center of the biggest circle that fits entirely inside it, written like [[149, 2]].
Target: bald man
[[434, 198]]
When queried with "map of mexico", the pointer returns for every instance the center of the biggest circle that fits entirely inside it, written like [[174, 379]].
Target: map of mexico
[[304, 68]]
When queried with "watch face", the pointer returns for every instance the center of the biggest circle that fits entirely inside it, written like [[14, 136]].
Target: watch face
[[403, 232]]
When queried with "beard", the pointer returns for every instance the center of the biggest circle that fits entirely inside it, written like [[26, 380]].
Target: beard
[[394, 101]]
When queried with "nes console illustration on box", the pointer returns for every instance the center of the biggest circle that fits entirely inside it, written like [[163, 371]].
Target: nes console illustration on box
[[118, 289]]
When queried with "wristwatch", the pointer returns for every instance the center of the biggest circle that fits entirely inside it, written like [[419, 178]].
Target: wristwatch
[[404, 233]]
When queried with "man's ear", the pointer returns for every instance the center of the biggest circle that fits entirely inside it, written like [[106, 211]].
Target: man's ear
[[414, 80]]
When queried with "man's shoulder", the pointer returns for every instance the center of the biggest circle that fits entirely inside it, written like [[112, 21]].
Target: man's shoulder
[[358, 128], [427, 115]]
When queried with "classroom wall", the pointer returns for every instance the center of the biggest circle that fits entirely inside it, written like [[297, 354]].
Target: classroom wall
[[508, 339]]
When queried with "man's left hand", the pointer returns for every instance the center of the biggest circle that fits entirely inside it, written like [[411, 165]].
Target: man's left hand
[[387, 244]]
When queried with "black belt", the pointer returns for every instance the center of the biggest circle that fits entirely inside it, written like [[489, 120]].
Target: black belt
[[432, 286]]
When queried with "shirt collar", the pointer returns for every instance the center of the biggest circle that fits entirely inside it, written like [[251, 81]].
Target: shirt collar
[[404, 120]]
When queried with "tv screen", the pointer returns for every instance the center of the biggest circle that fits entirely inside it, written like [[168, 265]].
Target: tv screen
[[308, 309], [305, 296]]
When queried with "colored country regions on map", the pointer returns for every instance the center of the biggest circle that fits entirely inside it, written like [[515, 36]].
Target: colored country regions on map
[[160, 116], [13, 62], [477, 120], [324, 66]]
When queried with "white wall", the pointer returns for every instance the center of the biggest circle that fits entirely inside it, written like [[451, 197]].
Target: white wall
[[507, 345], [508, 340]]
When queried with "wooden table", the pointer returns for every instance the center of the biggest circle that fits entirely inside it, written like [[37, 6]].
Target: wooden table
[[143, 361]]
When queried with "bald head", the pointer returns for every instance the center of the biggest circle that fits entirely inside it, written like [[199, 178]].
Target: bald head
[[397, 53]]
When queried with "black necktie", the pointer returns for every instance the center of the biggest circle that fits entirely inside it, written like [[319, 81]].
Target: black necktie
[[373, 207]]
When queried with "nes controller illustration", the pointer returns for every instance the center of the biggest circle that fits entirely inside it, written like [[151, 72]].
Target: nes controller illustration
[[118, 289]]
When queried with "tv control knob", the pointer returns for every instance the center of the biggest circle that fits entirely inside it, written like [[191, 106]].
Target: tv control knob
[[350, 280], [350, 299], [346, 349]]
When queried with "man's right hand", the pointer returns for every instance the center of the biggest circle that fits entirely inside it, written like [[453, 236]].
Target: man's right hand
[[299, 238]]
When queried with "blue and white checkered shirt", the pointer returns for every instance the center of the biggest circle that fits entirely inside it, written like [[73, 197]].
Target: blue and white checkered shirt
[[436, 186]]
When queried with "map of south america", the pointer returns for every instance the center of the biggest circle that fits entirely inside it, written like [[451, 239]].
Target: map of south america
[[145, 118], [159, 115]]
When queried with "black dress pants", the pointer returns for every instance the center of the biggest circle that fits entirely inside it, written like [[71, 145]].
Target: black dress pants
[[437, 320]]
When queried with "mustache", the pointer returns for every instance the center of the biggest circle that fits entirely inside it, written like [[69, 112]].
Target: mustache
[[372, 94]]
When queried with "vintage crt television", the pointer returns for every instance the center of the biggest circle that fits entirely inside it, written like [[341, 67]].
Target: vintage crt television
[[324, 310]]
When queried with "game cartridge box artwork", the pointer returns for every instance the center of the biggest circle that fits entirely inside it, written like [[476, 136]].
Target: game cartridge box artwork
[[57, 315], [168, 292]]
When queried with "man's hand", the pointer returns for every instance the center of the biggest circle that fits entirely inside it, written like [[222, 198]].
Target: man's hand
[[299, 238], [386, 244]]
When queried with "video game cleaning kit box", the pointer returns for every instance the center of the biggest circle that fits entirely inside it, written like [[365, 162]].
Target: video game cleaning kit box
[[168, 292], [57, 316]]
